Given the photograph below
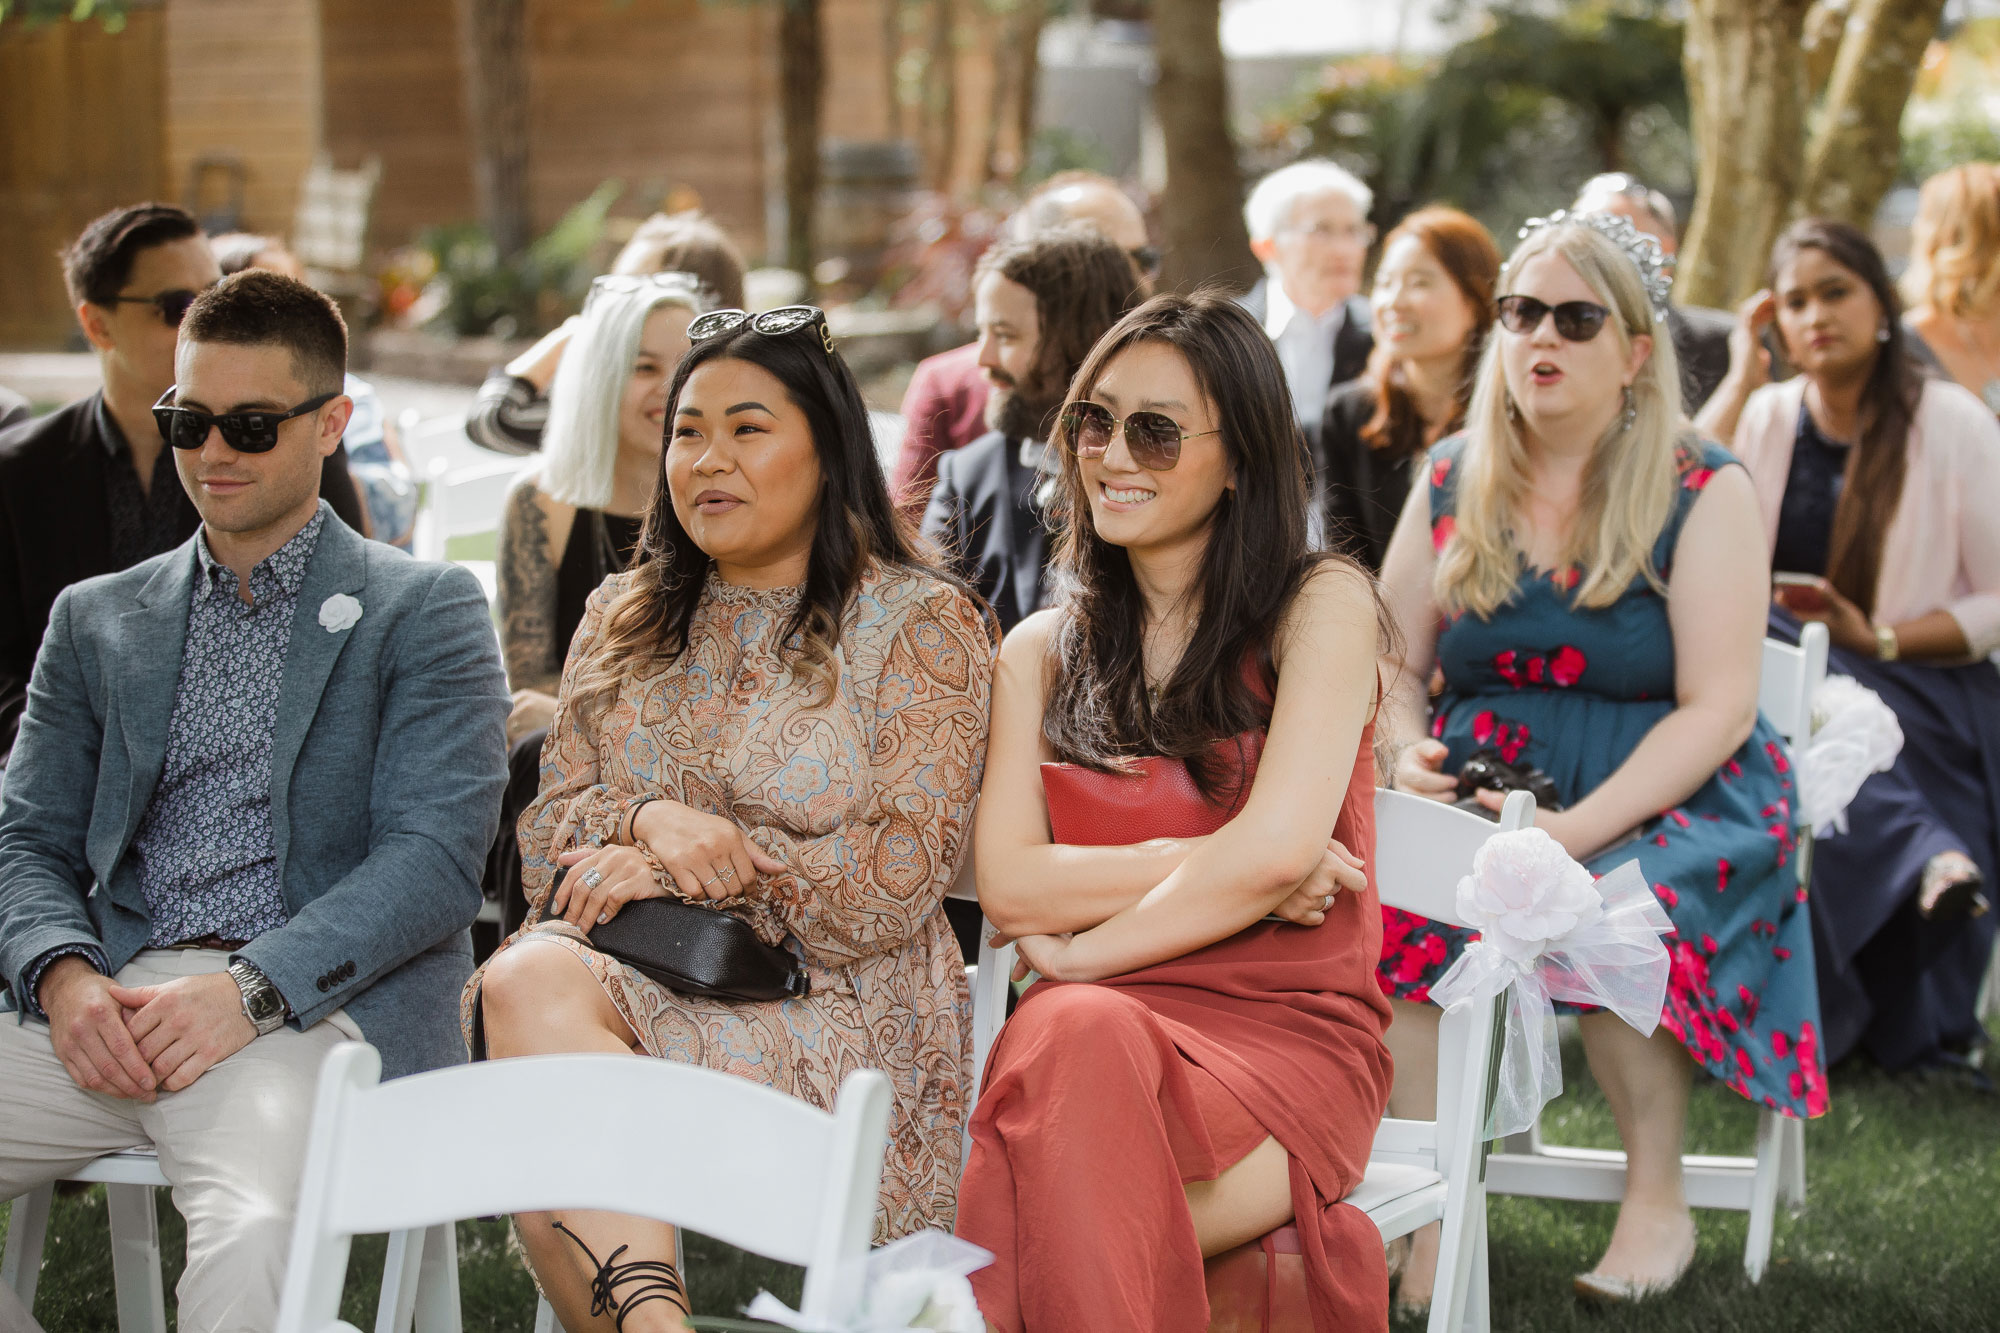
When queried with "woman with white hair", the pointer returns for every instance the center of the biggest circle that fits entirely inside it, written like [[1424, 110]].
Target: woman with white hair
[[575, 515], [1590, 576]]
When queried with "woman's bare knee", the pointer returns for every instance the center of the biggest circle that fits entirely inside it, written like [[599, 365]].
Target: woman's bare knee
[[1249, 1199], [538, 997]]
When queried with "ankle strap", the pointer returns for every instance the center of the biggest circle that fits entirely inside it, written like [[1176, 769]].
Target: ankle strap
[[657, 1281]]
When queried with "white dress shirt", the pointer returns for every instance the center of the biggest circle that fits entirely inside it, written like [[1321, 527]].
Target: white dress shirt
[[1305, 348]]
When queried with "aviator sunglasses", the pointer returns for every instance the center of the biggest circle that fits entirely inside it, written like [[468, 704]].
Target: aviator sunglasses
[[785, 319], [172, 305], [1576, 321], [245, 432], [1152, 438]]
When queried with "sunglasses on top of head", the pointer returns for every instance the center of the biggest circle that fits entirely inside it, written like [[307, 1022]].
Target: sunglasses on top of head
[[785, 319], [245, 432], [1152, 438], [172, 305], [1576, 321]]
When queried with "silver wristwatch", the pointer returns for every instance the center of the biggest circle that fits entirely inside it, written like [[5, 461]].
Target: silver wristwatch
[[262, 1004]]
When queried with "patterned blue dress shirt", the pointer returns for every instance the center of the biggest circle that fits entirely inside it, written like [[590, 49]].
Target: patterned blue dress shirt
[[207, 864]]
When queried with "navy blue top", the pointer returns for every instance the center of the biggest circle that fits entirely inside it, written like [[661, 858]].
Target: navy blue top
[[1812, 493]]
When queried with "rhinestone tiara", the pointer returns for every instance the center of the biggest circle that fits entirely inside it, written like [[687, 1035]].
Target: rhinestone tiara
[[1656, 270]]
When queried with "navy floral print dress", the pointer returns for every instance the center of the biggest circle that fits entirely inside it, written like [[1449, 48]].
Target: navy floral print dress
[[1573, 692]]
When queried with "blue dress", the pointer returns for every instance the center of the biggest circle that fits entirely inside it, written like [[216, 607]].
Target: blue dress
[[1573, 692]]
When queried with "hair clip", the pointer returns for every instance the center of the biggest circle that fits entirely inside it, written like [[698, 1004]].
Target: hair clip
[[1655, 267]]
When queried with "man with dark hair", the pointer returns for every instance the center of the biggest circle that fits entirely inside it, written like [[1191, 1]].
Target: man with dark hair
[[1041, 305], [86, 489], [1701, 335], [945, 406], [253, 787]]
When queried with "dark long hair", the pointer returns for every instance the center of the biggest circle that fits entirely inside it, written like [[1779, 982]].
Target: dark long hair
[[1879, 459], [855, 523], [1468, 255], [1098, 714]]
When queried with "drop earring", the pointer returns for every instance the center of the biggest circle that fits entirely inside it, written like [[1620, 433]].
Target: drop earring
[[1630, 415], [1882, 334]]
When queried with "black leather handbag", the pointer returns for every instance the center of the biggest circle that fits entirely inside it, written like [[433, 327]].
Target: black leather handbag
[[696, 950]]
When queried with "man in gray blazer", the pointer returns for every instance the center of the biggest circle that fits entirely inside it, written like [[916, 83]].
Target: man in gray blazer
[[244, 819]]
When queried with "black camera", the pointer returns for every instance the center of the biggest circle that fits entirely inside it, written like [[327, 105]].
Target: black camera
[[1486, 769]]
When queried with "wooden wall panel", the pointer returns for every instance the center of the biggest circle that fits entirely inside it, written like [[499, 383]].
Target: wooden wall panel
[[660, 94], [243, 80], [392, 90], [82, 116]]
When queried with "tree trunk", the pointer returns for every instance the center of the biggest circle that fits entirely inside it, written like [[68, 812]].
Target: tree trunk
[[1746, 93], [1028, 87], [493, 57], [801, 79], [1202, 208], [941, 96], [1857, 141], [892, 64]]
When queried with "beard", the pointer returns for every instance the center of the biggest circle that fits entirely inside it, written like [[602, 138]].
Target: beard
[[1023, 410]]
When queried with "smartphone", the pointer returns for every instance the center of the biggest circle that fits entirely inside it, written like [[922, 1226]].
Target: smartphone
[[1800, 592]]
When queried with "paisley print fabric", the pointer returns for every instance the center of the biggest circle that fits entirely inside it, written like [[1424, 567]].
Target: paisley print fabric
[[1573, 692], [207, 863], [865, 796]]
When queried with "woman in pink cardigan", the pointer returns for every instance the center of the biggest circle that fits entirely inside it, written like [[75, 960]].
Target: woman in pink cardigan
[[1880, 490]]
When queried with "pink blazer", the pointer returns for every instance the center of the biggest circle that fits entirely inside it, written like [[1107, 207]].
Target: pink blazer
[[1943, 545]]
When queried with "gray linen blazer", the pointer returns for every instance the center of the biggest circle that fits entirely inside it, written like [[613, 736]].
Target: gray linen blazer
[[386, 771]]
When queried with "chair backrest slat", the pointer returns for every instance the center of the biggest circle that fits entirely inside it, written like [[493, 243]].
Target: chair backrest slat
[[1786, 683]]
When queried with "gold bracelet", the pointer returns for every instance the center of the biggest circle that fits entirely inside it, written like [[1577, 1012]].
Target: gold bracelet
[[1887, 649]]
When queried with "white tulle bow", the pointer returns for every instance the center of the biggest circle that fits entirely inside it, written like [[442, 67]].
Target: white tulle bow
[[1854, 734], [1548, 932], [917, 1282]]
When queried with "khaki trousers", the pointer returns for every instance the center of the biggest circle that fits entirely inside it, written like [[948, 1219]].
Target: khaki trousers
[[232, 1144]]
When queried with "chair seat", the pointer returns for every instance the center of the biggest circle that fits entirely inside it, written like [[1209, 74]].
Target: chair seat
[[1399, 1198], [133, 1166]]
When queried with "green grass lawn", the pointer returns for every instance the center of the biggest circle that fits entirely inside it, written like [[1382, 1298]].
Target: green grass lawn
[[1903, 1184]]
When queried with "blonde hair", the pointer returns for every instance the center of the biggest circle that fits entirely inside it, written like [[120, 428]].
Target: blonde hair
[[1955, 243], [1629, 485], [580, 444]]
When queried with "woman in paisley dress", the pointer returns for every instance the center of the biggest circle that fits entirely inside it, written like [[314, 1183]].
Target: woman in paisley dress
[[1590, 578], [780, 710]]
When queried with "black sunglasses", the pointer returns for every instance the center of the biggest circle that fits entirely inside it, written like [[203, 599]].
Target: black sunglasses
[[785, 319], [172, 305], [245, 432], [1152, 438], [1576, 321]]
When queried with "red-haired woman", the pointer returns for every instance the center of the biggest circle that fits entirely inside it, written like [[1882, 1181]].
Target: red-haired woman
[[1433, 303]]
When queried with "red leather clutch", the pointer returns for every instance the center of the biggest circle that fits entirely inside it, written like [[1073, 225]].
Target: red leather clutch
[[1157, 798]]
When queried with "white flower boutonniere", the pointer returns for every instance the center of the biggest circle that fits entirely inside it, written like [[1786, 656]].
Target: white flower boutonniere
[[339, 612]]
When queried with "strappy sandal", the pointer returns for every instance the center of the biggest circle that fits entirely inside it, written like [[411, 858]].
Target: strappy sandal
[[658, 1281]]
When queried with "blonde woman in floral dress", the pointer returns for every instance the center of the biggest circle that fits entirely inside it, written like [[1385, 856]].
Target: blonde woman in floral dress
[[782, 711]]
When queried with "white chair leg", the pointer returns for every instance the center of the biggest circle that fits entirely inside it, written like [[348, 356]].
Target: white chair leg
[[437, 1282], [1764, 1194], [1478, 1292], [398, 1302], [545, 1318], [135, 1259], [1792, 1179], [27, 1225]]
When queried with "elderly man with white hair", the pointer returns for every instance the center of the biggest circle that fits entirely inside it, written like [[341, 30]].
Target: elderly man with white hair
[[1309, 225]]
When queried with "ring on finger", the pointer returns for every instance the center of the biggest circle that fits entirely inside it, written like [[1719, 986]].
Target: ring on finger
[[710, 880], [727, 872], [1327, 905], [592, 877]]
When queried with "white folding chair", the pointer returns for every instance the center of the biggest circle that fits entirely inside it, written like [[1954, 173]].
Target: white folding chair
[[1777, 1174], [419, 1279], [789, 1182], [1424, 1171]]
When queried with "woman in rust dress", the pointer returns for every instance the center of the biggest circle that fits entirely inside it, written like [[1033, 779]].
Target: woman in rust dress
[[1188, 1076], [779, 709]]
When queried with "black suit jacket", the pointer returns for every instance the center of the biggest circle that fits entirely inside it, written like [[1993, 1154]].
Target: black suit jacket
[[55, 530], [982, 514], [1351, 346], [1701, 342]]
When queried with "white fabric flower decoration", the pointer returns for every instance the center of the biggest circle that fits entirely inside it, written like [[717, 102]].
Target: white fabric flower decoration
[[1854, 735], [1526, 891], [339, 612]]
